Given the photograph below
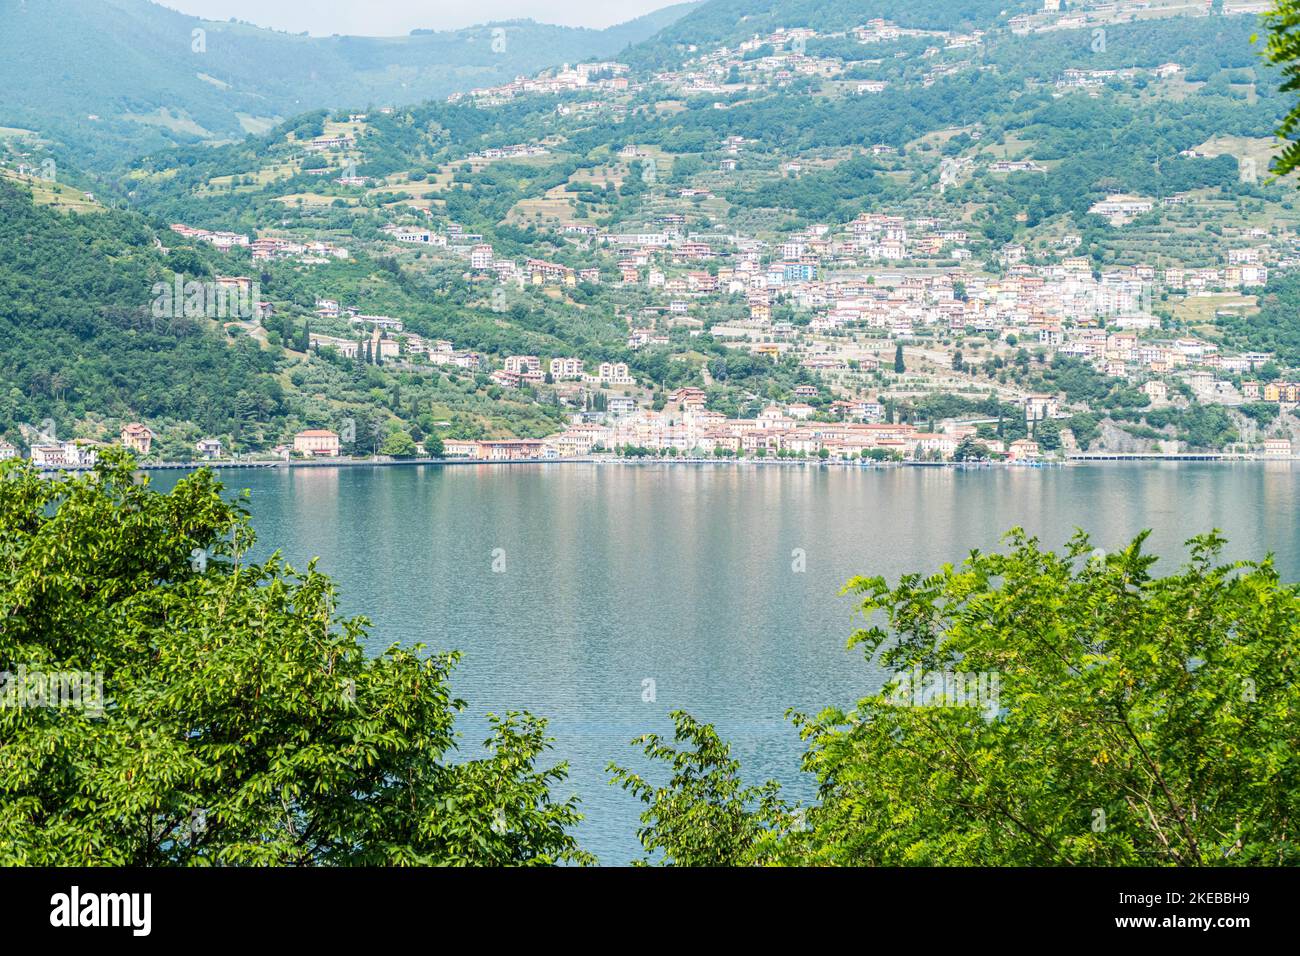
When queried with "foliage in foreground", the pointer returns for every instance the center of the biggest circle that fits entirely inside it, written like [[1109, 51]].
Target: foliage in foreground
[[1086, 712], [1283, 50], [1124, 719], [241, 720]]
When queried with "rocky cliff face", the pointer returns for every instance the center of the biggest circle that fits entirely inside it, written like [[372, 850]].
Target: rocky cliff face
[[1115, 439]]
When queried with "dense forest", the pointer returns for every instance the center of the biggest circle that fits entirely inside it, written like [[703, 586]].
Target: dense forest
[[84, 348], [81, 340]]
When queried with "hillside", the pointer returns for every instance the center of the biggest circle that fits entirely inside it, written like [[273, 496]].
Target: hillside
[[117, 77], [938, 217], [87, 342], [729, 22], [79, 339]]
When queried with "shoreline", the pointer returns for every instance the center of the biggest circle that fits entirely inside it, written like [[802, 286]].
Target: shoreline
[[1084, 458]]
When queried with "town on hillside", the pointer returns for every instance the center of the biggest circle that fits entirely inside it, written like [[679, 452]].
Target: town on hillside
[[585, 281]]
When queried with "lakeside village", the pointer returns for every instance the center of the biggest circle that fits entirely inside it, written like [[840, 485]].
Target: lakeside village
[[865, 309], [859, 320], [685, 429], [875, 312]]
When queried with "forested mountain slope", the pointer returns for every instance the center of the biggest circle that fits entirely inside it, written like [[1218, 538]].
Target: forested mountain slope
[[108, 78]]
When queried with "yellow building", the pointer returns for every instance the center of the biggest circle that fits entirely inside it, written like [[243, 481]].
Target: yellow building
[[137, 438]]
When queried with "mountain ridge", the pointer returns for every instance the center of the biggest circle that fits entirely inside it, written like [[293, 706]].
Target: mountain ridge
[[117, 78]]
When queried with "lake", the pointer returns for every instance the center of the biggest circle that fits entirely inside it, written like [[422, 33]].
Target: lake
[[569, 586]]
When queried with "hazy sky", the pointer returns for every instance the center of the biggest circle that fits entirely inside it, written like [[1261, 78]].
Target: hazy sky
[[395, 17]]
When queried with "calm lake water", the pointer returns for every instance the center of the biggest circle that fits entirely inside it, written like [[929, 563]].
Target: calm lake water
[[609, 576]]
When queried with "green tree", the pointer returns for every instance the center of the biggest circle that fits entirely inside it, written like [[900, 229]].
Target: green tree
[[1048, 434], [969, 449], [1116, 719], [241, 721], [1283, 50], [705, 816], [398, 444], [899, 365]]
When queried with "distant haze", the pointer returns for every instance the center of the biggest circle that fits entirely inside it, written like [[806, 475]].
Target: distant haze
[[398, 17]]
